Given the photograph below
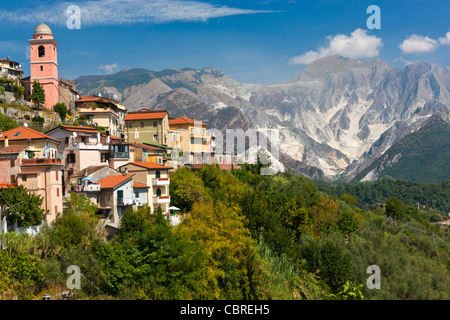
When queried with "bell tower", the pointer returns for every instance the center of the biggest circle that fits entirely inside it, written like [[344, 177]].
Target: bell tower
[[44, 63]]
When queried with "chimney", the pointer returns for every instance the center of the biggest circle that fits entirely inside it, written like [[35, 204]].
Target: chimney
[[126, 171], [6, 142], [1, 134], [85, 172], [98, 138]]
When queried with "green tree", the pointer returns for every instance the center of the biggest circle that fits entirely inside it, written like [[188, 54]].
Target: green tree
[[22, 207], [395, 209], [7, 123], [294, 218], [61, 109], [79, 203], [18, 91], [38, 95]]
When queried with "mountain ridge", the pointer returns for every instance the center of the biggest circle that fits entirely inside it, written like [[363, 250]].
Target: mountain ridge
[[337, 114]]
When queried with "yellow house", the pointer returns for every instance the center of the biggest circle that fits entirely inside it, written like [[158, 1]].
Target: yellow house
[[156, 178], [146, 126], [192, 139]]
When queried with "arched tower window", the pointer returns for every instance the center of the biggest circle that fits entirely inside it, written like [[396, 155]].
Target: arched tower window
[[158, 192], [41, 51], [158, 174]]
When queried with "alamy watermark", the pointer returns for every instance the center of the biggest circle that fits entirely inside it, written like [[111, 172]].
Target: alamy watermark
[[374, 281], [74, 19]]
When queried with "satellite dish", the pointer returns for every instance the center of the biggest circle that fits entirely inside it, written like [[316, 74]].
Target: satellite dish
[[78, 97], [25, 125], [75, 134]]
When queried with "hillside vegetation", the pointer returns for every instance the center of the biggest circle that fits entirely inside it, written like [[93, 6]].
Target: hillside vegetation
[[244, 236]]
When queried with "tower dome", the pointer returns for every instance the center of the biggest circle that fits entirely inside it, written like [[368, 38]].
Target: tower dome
[[43, 29]]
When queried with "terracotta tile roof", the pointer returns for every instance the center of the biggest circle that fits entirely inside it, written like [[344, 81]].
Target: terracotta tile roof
[[184, 120], [95, 99], [113, 181], [25, 133], [139, 185], [144, 146], [149, 165], [145, 115], [13, 149], [77, 128], [6, 185]]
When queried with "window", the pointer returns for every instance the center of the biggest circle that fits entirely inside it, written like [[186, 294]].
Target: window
[[41, 51], [136, 195], [158, 192], [42, 68], [12, 163], [57, 175], [57, 192], [66, 140], [70, 172], [56, 209], [71, 158], [158, 174], [13, 179], [104, 157], [155, 137], [83, 139], [24, 178], [192, 141], [155, 123], [202, 131], [192, 130], [130, 125], [141, 124]]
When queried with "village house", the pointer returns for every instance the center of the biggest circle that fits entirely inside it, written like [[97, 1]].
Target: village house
[[82, 147], [146, 126], [193, 140], [103, 112], [155, 178], [10, 69], [29, 158]]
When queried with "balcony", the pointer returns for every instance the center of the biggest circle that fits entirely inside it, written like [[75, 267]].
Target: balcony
[[86, 188], [161, 199], [126, 202], [161, 181], [119, 155], [88, 146], [41, 161]]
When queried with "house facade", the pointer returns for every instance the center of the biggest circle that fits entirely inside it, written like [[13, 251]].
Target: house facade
[[147, 126], [155, 178]]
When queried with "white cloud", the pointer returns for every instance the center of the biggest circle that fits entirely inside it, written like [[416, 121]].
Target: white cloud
[[418, 44], [114, 12], [358, 45], [445, 40], [109, 68]]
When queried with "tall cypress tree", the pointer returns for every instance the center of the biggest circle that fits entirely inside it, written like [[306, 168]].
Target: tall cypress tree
[[38, 95]]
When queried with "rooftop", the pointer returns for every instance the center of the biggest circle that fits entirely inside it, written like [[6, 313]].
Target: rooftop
[[184, 120], [13, 149], [25, 133], [149, 165], [113, 181], [145, 114]]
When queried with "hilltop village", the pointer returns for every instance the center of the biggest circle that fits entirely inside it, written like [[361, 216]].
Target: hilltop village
[[117, 159]]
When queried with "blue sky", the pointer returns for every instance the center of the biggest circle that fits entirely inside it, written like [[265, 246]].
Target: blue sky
[[250, 41]]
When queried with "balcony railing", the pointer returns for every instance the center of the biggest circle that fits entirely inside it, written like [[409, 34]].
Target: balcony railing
[[161, 181], [86, 188], [27, 162], [119, 155], [161, 199]]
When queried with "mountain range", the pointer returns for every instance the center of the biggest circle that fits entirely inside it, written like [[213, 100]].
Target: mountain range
[[336, 118]]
